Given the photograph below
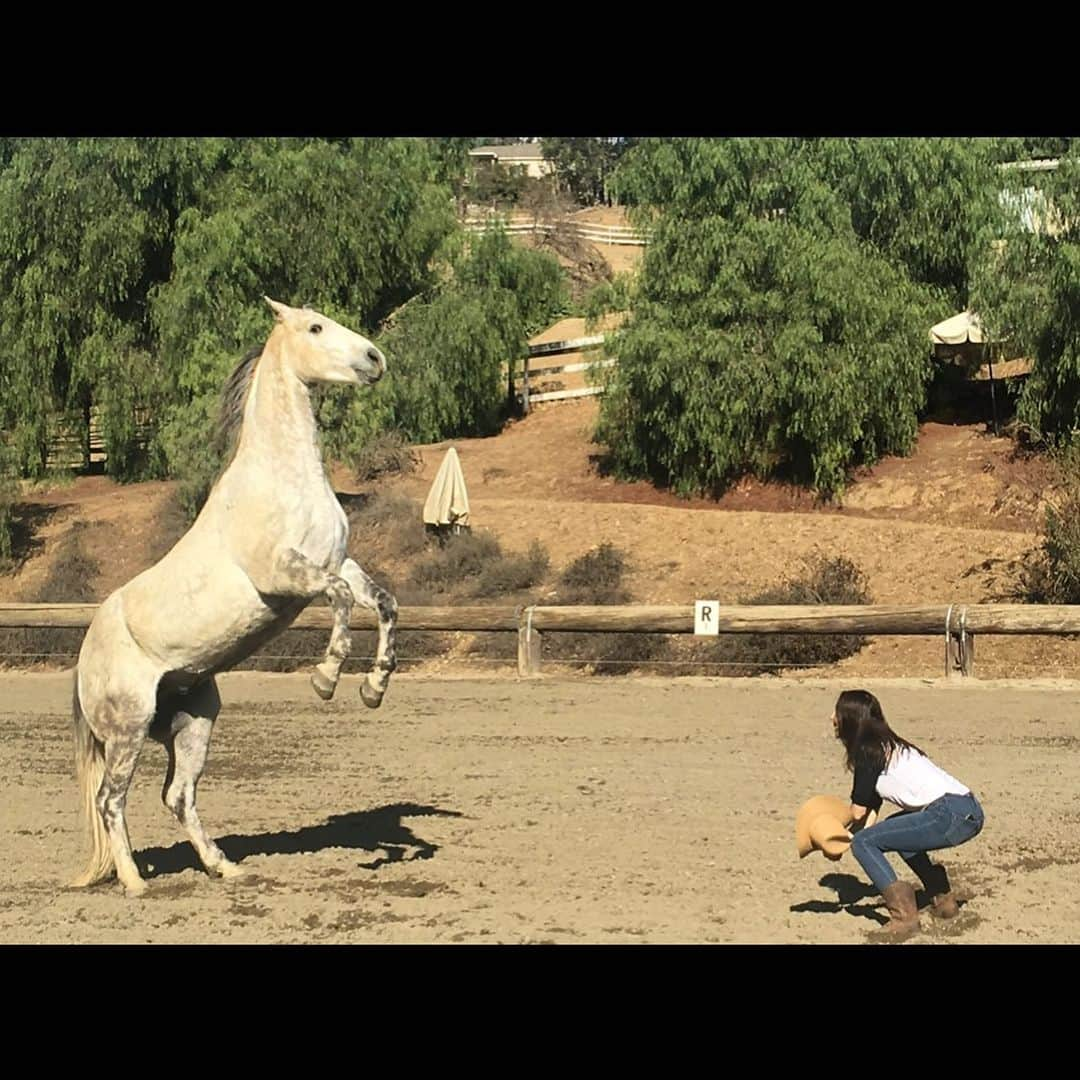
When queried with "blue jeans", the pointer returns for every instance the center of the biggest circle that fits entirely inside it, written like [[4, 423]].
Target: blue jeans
[[946, 822]]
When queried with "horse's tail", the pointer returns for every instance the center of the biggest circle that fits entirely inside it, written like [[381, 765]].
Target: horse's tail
[[90, 771]]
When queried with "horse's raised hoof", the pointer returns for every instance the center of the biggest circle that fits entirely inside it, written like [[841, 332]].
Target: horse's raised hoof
[[371, 697], [323, 686]]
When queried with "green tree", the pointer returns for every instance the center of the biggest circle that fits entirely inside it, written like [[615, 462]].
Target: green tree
[[351, 228], [924, 204], [85, 235], [447, 348], [779, 322], [585, 165], [453, 166], [9, 493], [132, 275], [497, 185], [1028, 292], [132, 270]]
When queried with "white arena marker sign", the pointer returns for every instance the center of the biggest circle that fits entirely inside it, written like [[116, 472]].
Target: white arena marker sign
[[705, 617]]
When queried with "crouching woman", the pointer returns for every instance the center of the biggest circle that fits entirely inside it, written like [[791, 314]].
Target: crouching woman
[[936, 811]]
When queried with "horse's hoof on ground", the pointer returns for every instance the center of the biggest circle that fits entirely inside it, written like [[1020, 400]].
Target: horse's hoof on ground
[[134, 891], [369, 695], [323, 686], [229, 870]]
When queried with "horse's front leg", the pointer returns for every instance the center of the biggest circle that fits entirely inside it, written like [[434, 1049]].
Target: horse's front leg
[[293, 574], [371, 596]]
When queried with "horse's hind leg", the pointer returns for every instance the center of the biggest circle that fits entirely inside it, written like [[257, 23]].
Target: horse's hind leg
[[113, 708], [185, 724], [122, 748], [376, 599]]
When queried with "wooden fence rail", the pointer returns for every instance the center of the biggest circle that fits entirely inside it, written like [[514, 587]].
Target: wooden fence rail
[[557, 348], [956, 623]]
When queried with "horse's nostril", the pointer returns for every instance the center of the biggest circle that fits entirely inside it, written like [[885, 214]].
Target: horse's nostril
[[376, 358]]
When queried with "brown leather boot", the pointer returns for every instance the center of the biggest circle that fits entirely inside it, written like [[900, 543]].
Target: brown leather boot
[[903, 913], [943, 903]]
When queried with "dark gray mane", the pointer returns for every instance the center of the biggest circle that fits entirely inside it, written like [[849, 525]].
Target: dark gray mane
[[233, 397]]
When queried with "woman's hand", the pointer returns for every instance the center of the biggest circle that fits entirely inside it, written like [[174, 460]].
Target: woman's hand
[[858, 818]]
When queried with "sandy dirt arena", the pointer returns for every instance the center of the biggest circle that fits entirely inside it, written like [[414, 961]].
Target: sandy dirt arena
[[540, 811]]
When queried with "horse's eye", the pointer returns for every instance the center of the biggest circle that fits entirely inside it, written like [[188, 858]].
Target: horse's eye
[[316, 328]]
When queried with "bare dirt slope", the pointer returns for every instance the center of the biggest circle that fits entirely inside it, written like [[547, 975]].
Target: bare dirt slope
[[950, 524]]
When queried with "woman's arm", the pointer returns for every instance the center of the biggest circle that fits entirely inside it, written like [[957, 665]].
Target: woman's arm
[[864, 796], [862, 817]]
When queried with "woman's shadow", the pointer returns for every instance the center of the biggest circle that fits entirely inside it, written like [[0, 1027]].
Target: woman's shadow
[[849, 891], [381, 830]]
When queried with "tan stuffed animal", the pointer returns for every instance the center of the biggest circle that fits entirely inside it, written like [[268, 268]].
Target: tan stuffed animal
[[821, 825]]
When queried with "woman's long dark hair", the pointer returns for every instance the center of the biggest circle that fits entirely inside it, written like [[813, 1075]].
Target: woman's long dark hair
[[861, 727]]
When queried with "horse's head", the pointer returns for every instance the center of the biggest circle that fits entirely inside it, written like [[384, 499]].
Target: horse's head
[[321, 350]]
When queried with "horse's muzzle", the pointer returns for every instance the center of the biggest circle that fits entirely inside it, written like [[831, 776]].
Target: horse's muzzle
[[374, 366]]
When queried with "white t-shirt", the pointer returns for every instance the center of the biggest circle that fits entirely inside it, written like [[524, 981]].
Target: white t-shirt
[[912, 781]]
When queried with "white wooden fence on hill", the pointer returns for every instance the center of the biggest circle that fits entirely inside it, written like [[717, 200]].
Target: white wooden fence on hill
[[596, 234]]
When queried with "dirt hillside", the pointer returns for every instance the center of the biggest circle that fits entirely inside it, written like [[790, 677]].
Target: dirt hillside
[[950, 523]]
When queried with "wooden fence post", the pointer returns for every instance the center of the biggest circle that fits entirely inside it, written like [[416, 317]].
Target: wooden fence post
[[967, 648], [959, 645], [530, 646]]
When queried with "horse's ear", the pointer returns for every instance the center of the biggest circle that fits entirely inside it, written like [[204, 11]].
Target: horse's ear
[[279, 310]]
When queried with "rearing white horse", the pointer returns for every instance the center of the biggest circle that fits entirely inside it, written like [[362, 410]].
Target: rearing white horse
[[270, 538]]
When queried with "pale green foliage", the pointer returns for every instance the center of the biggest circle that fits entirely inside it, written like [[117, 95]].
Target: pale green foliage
[[187, 439], [351, 229], [446, 348], [1052, 574], [9, 492], [584, 165], [132, 273], [1028, 294], [85, 233], [924, 204], [779, 322]]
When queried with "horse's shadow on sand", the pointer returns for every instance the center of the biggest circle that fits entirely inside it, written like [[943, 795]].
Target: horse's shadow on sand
[[380, 830], [849, 891]]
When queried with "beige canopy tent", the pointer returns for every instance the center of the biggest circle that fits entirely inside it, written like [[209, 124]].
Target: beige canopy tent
[[962, 340], [962, 329], [447, 503]]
